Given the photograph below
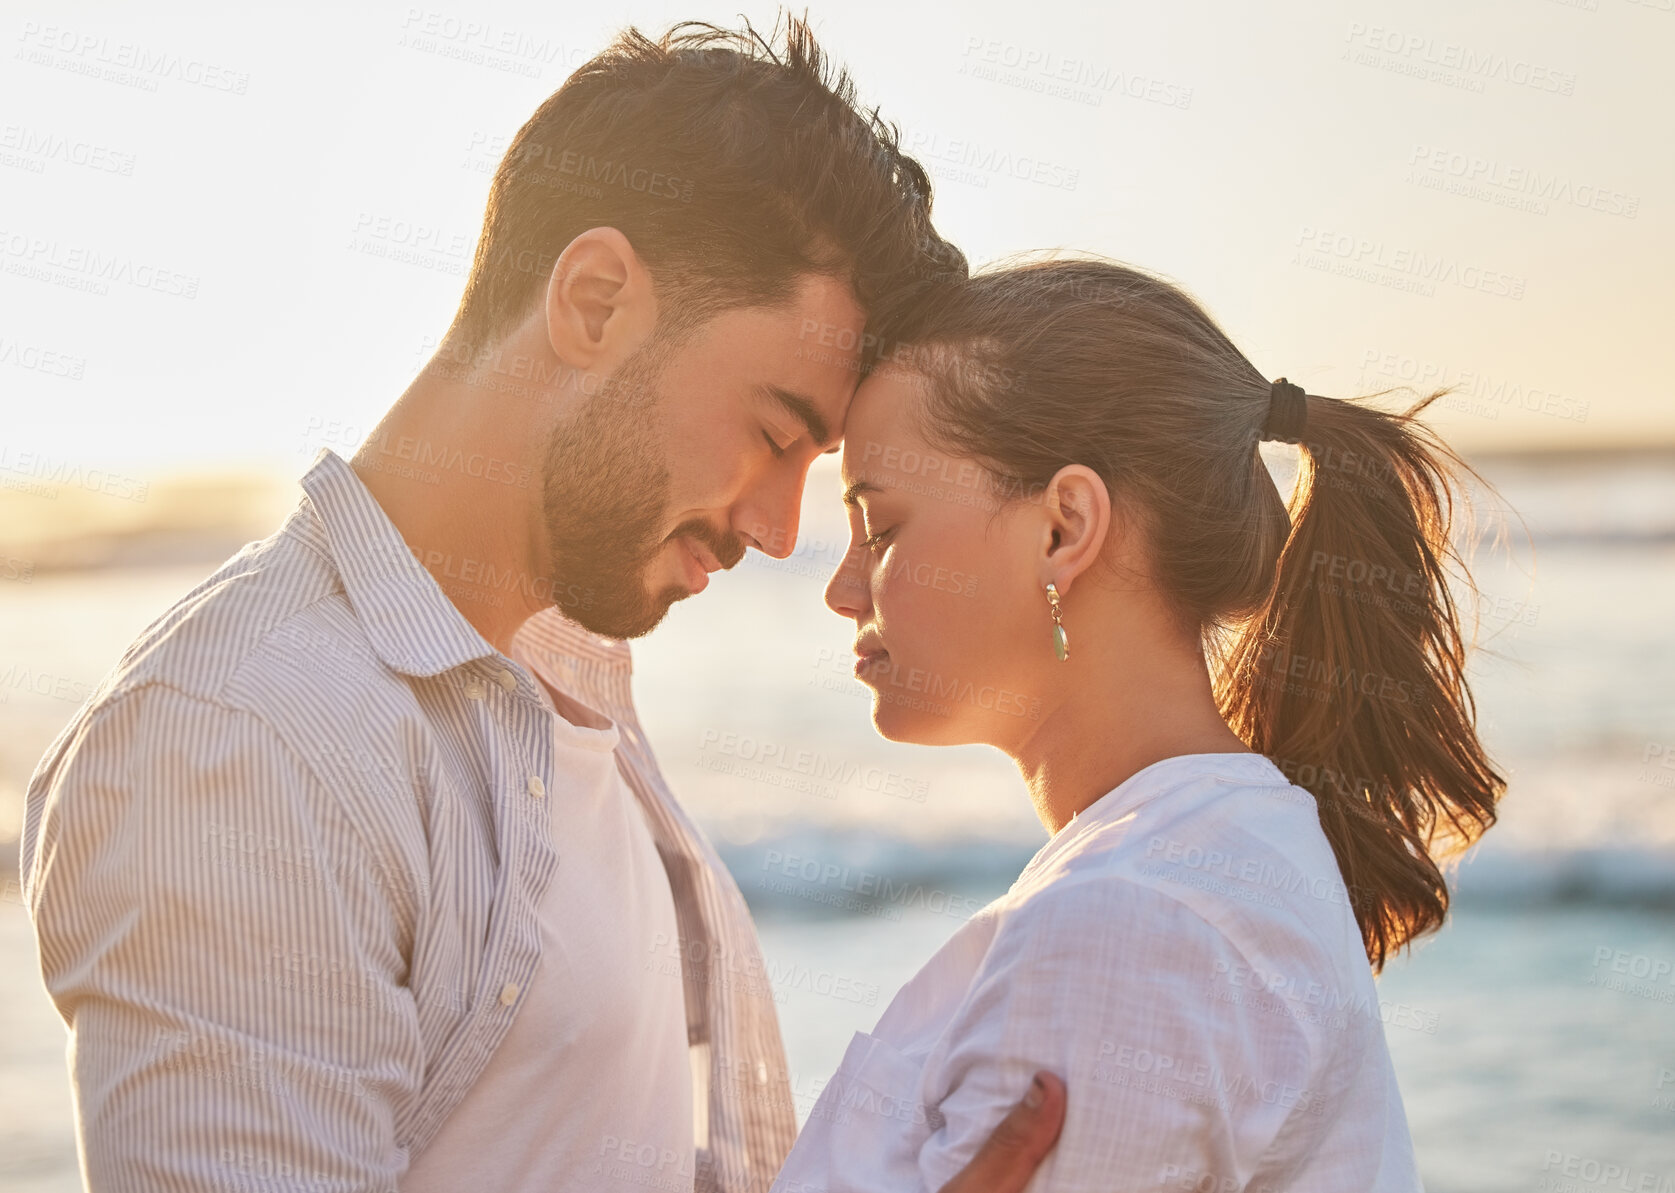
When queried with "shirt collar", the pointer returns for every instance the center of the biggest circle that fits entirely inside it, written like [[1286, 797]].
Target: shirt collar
[[412, 625], [1149, 782], [550, 636], [1167, 774]]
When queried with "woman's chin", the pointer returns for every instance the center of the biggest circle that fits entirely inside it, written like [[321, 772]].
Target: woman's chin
[[912, 726], [885, 722]]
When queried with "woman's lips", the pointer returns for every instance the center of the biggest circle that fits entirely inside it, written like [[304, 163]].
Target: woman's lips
[[865, 659]]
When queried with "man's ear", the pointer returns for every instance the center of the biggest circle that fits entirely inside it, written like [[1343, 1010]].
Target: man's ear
[[1076, 509], [600, 304]]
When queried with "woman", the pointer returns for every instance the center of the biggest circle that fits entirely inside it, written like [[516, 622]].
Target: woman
[[1246, 728]]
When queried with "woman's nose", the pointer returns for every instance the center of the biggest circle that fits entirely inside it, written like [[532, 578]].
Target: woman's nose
[[847, 592]]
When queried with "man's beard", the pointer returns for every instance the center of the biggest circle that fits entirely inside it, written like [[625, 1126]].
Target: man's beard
[[605, 494]]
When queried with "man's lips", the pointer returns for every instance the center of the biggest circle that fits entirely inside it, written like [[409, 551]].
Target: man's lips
[[699, 563], [706, 558]]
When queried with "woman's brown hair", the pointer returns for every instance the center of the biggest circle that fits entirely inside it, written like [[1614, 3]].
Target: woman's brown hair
[[1334, 638]]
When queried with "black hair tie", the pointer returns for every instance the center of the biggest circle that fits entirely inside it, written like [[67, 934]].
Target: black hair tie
[[1288, 413]]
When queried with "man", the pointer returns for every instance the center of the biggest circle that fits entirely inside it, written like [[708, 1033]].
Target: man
[[356, 872]]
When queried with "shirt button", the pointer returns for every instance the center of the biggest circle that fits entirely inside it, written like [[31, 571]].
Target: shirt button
[[507, 680], [508, 994], [536, 787], [474, 689]]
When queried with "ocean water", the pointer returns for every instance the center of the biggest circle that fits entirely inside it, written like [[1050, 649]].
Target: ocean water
[[1534, 1037]]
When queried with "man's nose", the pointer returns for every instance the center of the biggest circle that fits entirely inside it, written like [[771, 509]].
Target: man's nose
[[771, 519], [777, 539]]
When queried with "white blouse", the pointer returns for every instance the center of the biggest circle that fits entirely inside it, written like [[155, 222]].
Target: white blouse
[[1184, 954]]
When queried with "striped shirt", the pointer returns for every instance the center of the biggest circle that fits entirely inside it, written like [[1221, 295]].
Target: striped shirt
[[285, 867]]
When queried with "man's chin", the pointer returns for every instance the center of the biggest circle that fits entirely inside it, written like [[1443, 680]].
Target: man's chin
[[627, 619]]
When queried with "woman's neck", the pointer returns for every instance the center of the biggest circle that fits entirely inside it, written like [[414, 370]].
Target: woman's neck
[[1110, 720]]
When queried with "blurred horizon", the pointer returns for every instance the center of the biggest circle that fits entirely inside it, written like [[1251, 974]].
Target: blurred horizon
[[60, 523]]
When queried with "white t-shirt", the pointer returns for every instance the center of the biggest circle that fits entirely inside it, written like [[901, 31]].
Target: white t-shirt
[[1183, 953], [591, 1089]]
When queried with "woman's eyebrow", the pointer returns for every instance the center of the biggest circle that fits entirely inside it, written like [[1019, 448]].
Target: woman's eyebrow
[[854, 491]]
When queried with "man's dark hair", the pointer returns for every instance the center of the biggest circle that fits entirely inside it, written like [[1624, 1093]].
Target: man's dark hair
[[733, 167]]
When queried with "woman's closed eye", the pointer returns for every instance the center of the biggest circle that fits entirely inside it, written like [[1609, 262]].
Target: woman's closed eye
[[874, 541]]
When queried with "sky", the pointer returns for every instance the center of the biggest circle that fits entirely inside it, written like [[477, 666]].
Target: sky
[[229, 236]]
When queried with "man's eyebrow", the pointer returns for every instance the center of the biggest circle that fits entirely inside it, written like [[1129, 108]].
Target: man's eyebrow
[[854, 491], [804, 410]]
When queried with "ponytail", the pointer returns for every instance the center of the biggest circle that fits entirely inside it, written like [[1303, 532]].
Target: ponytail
[[1335, 638], [1351, 676]]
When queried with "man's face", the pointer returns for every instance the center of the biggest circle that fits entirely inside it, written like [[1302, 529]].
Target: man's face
[[694, 451]]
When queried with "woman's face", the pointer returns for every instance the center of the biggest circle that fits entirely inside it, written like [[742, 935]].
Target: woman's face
[[952, 629]]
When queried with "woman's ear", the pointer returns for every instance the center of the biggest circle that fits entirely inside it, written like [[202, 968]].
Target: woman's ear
[[1077, 518], [600, 304]]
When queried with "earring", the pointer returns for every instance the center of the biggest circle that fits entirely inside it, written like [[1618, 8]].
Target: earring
[[1061, 639]]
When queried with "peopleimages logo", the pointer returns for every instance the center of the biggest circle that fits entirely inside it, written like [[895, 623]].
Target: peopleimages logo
[[35, 359], [974, 161], [38, 146], [1061, 76], [47, 470], [484, 44], [121, 61], [1449, 62], [1473, 176], [1475, 390], [1253, 872], [82, 268], [813, 764], [1197, 1081], [43, 683], [867, 885], [1371, 259]]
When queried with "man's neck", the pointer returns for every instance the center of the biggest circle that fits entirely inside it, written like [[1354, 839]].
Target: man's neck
[[457, 469]]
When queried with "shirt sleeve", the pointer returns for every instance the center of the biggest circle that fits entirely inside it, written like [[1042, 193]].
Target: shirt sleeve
[[1113, 986], [214, 935]]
